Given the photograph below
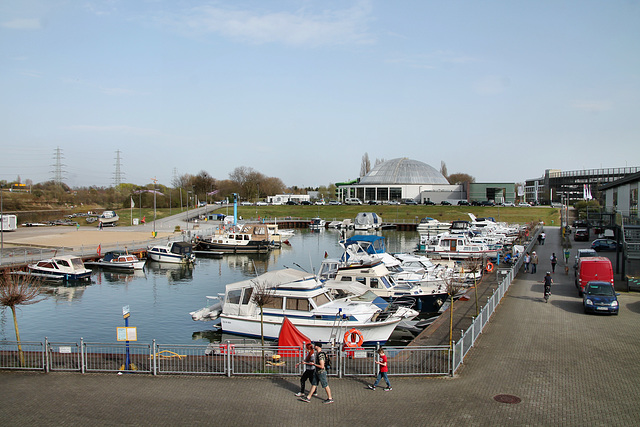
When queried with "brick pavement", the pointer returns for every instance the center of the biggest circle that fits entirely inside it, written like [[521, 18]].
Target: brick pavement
[[566, 367]]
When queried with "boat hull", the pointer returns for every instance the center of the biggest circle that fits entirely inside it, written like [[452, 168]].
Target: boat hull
[[168, 258], [316, 330], [80, 276], [252, 247]]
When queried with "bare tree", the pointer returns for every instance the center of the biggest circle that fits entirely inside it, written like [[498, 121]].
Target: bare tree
[[460, 178], [443, 169], [18, 290], [474, 266], [365, 166], [453, 285], [262, 295]]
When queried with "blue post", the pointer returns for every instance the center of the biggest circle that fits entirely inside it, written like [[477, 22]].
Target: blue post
[[235, 208], [127, 362]]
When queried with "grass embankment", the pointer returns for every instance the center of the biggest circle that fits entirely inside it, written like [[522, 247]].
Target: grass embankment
[[389, 213]]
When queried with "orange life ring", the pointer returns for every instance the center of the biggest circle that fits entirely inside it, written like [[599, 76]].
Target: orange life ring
[[353, 338], [489, 267]]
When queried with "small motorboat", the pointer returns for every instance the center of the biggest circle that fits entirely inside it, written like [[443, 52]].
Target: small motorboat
[[68, 267], [118, 261], [172, 252]]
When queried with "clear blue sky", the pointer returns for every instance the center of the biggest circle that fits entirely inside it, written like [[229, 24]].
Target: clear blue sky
[[300, 90]]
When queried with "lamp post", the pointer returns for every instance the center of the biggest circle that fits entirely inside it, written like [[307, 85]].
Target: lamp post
[[154, 205], [188, 191]]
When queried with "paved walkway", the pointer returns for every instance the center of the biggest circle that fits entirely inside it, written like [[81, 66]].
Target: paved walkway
[[567, 368]]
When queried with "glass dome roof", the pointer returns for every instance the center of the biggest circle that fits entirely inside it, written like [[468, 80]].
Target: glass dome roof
[[403, 171]]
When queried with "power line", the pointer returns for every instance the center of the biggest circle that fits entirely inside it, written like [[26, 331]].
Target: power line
[[118, 175], [58, 166]]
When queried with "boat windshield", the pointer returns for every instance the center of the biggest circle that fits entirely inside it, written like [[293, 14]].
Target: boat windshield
[[77, 263], [321, 299]]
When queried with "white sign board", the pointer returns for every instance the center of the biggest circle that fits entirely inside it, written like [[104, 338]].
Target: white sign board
[[127, 334]]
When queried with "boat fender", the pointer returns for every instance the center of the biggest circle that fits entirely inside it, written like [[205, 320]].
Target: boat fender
[[489, 267], [353, 338]]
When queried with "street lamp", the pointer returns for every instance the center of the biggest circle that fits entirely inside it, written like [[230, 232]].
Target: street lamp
[[154, 205], [188, 192]]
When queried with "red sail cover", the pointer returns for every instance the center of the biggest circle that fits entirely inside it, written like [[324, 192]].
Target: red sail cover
[[291, 337]]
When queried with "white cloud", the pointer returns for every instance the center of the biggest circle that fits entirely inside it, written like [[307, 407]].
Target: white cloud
[[297, 28], [115, 128], [592, 106], [22, 24]]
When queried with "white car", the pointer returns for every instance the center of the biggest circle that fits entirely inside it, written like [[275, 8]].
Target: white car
[[261, 203], [246, 204], [320, 202], [524, 204], [505, 204]]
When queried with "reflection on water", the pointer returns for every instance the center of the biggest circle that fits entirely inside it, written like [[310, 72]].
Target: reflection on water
[[162, 296]]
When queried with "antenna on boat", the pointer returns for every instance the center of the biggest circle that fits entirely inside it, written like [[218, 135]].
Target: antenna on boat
[[300, 267]]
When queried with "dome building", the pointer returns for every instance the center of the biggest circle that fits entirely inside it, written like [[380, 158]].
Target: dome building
[[402, 179]]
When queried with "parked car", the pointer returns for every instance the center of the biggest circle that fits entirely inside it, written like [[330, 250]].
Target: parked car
[[292, 202], [487, 203], [394, 202], [508, 204], [374, 202], [524, 205], [320, 202], [600, 297], [261, 203], [410, 202], [306, 202], [246, 204], [604, 245], [352, 201], [445, 203], [463, 203], [581, 234], [429, 202], [335, 202]]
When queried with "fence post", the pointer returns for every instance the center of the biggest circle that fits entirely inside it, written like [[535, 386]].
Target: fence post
[[154, 352], [46, 354], [82, 358], [228, 359]]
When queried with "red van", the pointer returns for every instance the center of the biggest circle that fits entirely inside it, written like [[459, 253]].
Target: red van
[[593, 268]]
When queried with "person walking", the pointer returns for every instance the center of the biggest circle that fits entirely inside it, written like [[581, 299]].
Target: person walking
[[309, 370], [543, 236], [554, 261], [534, 262], [527, 261], [321, 376], [384, 369]]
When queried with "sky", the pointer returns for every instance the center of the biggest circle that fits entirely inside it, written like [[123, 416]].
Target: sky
[[301, 90]]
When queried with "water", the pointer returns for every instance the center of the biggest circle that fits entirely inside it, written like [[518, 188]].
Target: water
[[161, 297]]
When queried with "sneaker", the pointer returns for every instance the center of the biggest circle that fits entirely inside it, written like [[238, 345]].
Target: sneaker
[[315, 394], [305, 399], [328, 401], [298, 394], [372, 387], [387, 389]]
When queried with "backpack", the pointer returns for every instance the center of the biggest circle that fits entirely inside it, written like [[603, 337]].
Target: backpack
[[327, 360]]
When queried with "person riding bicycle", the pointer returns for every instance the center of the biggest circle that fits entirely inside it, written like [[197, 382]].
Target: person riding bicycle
[[547, 283]]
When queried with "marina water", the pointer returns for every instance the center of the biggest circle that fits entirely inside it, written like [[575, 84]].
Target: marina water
[[161, 297]]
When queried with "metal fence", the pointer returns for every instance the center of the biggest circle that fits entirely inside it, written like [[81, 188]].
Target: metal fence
[[246, 358]]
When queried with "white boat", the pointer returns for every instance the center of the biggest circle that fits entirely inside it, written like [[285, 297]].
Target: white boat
[[172, 252], [317, 223], [430, 226], [455, 246], [381, 281], [108, 218], [68, 267], [309, 305], [119, 261], [366, 221]]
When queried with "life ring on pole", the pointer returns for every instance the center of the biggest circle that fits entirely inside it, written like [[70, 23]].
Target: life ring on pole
[[353, 338], [489, 267]]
